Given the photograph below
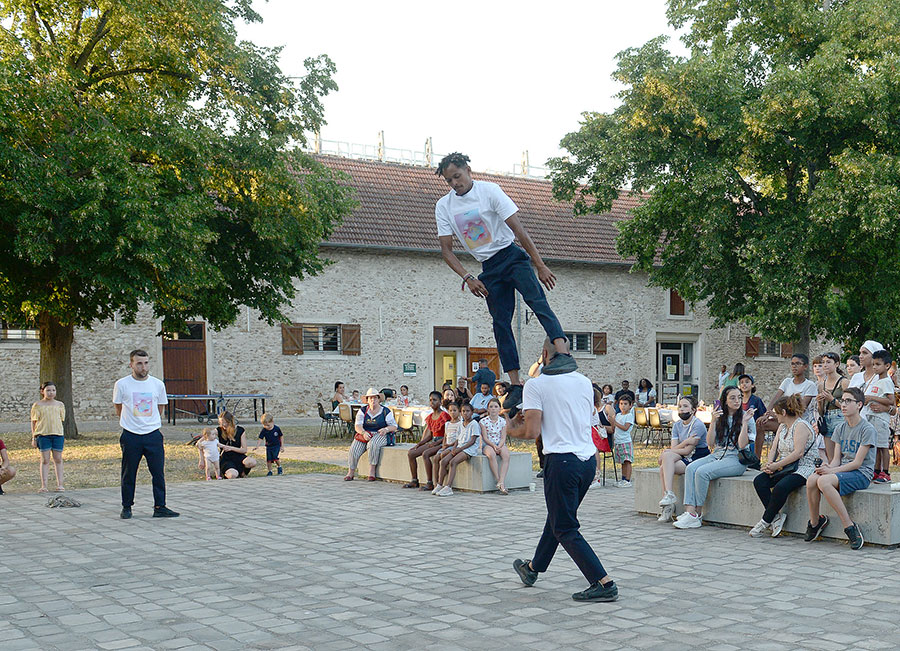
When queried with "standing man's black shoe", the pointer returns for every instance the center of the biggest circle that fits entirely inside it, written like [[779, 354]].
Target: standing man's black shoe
[[126, 513], [523, 569], [598, 592], [164, 512]]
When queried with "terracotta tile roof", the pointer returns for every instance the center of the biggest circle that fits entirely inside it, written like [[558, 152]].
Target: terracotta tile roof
[[396, 209]]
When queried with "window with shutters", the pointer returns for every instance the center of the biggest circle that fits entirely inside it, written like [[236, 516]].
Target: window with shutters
[[17, 332], [580, 342], [769, 348], [320, 339]]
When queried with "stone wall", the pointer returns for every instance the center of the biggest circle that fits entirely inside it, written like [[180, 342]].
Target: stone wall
[[397, 299]]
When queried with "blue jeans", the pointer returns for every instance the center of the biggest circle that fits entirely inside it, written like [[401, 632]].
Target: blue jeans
[[700, 473], [833, 418], [503, 273], [566, 481]]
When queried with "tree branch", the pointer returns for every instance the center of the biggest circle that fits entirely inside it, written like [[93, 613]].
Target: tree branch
[[100, 32], [37, 9], [133, 71], [752, 194]]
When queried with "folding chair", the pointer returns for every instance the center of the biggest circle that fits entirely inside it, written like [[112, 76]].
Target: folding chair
[[641, 424], [346, 415], [330, 422], [404, 425], [657, 428]]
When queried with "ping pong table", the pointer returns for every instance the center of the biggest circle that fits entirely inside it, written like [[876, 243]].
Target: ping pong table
[[215, 404]]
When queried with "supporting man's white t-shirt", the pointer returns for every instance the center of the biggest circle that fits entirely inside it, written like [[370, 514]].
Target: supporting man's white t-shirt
[[566, 403], [477, 218], [140, 400]]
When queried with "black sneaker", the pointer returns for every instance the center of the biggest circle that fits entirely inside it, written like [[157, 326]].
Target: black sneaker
[[813, 532], [522, 568], [854, 535], [598, 592], [560, 363], [126, 513], [280, 470], [540, 474], [164, 512], [1, 490]]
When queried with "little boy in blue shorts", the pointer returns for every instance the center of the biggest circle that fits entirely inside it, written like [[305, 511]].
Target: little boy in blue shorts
[[274, 438]]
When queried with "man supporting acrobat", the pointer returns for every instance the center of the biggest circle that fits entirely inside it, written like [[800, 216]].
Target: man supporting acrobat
[[485, 221]]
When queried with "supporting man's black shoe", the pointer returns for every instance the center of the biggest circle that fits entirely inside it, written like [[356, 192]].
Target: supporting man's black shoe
[[523, 569], [126, 513], [598, 592], [164, 512]]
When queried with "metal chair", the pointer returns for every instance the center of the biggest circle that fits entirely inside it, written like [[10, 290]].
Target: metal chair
[[663, 433], [346, 415], [330, 422], [641, 423], [404, 425]]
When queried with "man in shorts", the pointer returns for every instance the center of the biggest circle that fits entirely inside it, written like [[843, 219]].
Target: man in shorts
[[850, 469]]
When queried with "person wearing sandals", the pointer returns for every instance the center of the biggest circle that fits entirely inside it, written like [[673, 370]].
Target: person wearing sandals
[[688, 444], [467, 446], [729, 431], [47, 416], [432, 440], [849, 470], [792, 459], [373, 422], [493, 434]]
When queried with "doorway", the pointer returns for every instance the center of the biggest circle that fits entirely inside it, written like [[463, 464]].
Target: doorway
[[184, 363], [448, 365], [675, 371]]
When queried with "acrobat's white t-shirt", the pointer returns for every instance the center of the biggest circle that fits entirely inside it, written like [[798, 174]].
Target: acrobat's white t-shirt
[[477, 218], [140, 400]]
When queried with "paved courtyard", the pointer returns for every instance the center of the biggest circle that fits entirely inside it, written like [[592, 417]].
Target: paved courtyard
[[310, 561]]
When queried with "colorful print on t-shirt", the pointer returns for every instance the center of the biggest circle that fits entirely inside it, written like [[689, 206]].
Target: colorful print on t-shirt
[[473, 228], [142, 404]]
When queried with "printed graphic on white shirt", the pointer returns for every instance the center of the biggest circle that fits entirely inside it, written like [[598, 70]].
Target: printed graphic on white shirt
[[474, 229], [142, 404]]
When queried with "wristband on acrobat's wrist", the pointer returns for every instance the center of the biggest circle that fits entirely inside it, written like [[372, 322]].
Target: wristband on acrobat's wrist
[[466, 279]]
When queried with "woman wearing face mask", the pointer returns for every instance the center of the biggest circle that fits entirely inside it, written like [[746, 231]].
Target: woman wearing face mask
[[688, 444]]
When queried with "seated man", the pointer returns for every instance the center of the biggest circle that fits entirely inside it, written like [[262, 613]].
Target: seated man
[[480, 400], [431, 441], [850, 469]]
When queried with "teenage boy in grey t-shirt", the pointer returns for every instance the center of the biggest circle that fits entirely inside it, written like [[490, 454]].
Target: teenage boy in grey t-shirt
[[850, 469]]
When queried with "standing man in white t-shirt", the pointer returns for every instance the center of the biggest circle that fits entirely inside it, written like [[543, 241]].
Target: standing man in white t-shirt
[[560, 407], [139, 399], [485, 221]]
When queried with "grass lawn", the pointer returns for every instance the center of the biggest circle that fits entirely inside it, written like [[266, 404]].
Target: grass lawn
[[94, 460]]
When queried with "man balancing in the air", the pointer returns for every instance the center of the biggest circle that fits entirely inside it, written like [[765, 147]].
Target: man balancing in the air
[[485, 220]]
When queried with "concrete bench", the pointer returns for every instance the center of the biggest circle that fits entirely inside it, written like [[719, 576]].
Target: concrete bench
[[473, 475], [733, 501]]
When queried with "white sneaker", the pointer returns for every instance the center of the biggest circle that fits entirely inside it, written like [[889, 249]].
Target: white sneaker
[[437, 489], [684, 514], [595, 484], [624, 483], [895, 487], [666, 514], [668, 499], [690, 522], [446, 491], [778, 524], [759, 528]]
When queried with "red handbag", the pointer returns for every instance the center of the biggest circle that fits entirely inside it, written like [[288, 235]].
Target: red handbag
[[602, 444]]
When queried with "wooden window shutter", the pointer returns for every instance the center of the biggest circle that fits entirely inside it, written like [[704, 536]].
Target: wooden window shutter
[[676, 303], [751, 347], [599, 342], [291, 339], [350, 339], [787, 350]]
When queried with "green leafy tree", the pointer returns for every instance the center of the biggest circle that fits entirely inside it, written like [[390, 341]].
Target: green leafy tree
[[149, 157], [770, 159]]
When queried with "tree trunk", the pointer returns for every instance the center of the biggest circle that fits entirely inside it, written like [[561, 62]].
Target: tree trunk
[[56, 365], [801, 345]]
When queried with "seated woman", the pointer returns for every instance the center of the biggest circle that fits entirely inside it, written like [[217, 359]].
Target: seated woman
[[7, 472], [373, 422], [792, 459], [493, 435], [730, 430], [467, 446], [339, 395], [646, 394], [688, 444], [233, 460]]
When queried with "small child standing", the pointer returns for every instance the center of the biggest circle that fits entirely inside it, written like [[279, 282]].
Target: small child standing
[[208, 447], [881, 390], [623, 448], [274, 439]]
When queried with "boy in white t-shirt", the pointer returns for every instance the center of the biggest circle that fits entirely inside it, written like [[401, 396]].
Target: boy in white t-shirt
[[485, 221], [881, 390], [623, 448]]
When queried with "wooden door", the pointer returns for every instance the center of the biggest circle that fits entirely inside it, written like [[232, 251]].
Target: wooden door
[[184, 364], [492, 357]]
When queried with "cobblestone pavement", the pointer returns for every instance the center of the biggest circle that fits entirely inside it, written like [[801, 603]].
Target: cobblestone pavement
[[310, 561]]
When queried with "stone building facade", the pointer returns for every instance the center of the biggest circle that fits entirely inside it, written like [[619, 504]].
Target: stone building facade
[[400, 305]]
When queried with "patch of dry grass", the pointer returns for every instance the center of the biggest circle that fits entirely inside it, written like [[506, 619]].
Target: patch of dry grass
[[94, 460]]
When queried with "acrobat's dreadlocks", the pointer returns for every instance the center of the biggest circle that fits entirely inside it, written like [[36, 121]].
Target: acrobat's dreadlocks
[[460, 160]]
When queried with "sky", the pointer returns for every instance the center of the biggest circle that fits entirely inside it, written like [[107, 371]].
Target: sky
[[491, 79]]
